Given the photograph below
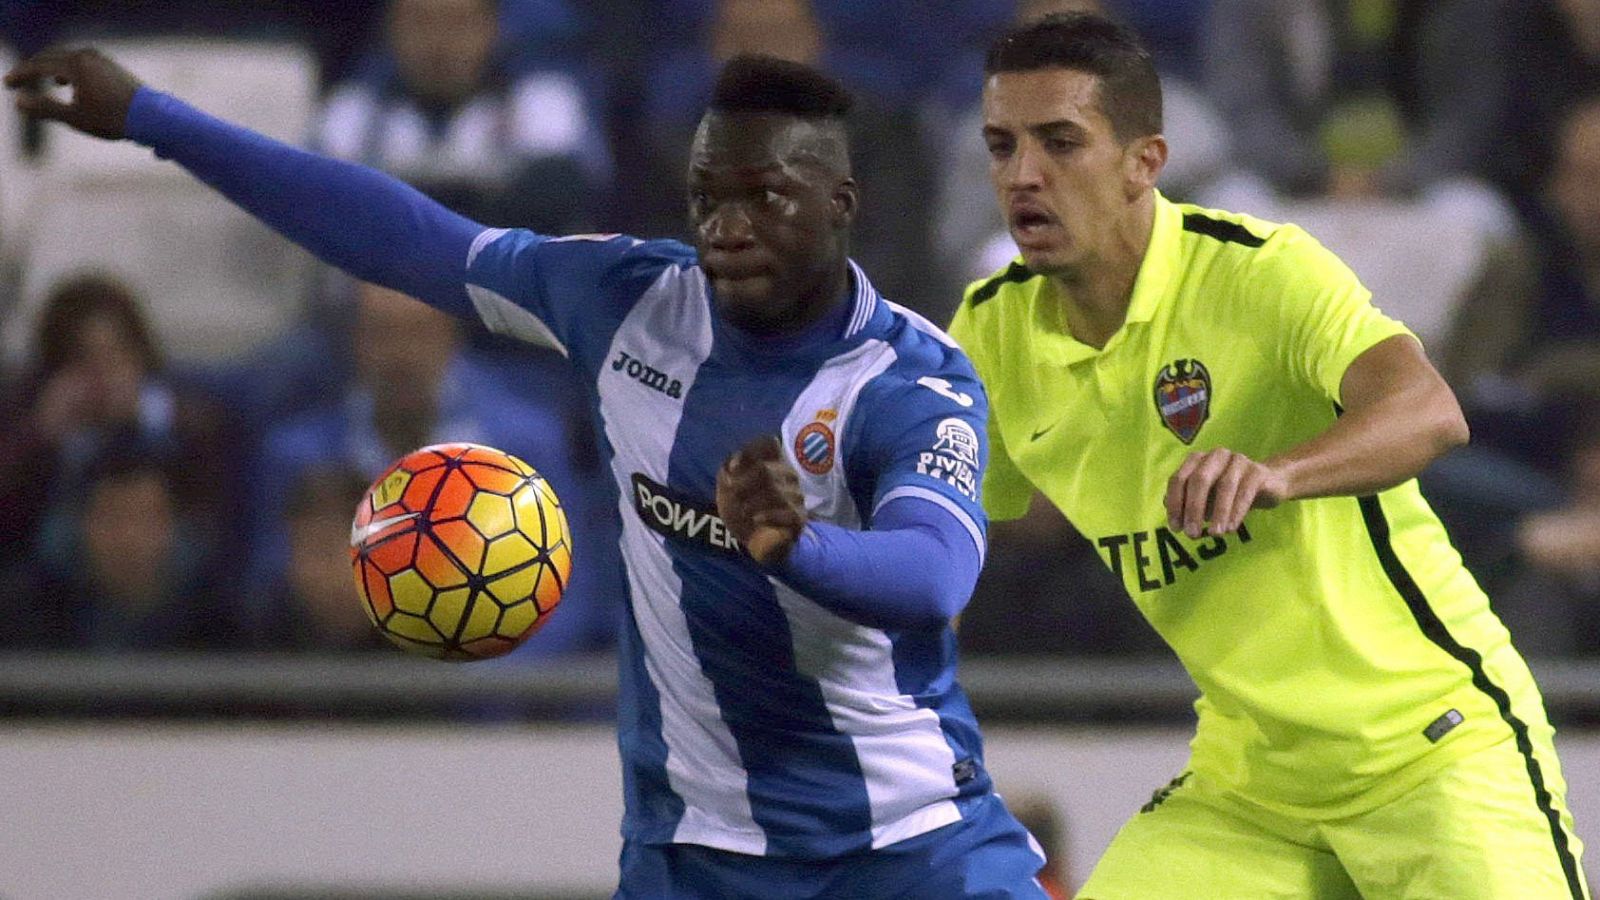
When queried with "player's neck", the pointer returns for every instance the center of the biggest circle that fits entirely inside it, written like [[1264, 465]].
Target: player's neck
[[1095, 295]]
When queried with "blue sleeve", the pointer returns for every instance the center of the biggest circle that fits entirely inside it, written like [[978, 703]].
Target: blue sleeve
[[367, 223], [882, 578], [922, 432], [545, 290]]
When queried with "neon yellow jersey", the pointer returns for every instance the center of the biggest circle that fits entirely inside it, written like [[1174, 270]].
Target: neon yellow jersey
[[1336, 642]]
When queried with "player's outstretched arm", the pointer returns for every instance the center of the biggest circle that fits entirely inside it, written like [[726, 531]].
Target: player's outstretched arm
[[1399, 415], [915, 569], [373, 226]]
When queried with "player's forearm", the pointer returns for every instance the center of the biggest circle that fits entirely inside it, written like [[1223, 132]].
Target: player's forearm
[[917, 572], [367, 223], [1375, 446]]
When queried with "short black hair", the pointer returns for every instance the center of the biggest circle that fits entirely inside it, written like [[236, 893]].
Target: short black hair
[[754, 83], [1130, 90]]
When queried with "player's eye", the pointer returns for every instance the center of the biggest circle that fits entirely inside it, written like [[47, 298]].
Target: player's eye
[[699, 203], [1001, 149]]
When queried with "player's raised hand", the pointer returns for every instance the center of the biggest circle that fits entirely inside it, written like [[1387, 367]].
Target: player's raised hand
[[102, 91], [758, 495], [1218, 487]]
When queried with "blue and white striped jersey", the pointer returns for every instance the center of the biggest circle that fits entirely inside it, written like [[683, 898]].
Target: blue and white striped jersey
[[754, 719]]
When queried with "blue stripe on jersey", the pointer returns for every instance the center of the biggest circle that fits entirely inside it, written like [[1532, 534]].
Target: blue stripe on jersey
[[643, 750], [924, 666], [805, 783]]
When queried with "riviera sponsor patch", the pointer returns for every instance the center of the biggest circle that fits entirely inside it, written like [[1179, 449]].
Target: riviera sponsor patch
[[954, 457]]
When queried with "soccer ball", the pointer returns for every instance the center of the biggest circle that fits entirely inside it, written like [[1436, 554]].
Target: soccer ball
[[460, 552]]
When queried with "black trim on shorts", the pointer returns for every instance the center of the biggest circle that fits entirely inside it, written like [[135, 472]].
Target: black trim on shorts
[[1016, 273], [1434, 628], [1221, 229]]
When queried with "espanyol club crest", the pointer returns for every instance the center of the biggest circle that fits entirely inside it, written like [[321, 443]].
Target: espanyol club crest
[[813, 448], [1183, 397]]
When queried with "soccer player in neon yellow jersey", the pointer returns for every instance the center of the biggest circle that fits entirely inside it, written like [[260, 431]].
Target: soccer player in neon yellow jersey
[[1215, 403]]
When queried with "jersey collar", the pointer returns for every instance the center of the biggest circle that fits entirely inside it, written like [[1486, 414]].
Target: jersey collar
[[1161, 260], [863, 300]]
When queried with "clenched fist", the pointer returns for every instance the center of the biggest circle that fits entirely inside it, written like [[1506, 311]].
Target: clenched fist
[[102, 91], [758, 495]]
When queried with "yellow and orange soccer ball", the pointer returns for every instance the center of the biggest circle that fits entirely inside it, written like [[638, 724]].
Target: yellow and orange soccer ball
[[460, 552]]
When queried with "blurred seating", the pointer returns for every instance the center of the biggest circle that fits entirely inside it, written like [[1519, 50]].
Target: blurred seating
[[226, 283], [492, 115]]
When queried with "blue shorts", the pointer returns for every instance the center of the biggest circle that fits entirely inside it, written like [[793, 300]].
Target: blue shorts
[[988, 854]]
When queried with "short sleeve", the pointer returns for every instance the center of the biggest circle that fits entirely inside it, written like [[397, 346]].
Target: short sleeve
[[926, 437], [1325, 316], [563, 292], [1007, 493]]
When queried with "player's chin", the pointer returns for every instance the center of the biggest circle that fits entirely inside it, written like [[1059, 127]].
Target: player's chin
[[746, 302], [1044, 260]]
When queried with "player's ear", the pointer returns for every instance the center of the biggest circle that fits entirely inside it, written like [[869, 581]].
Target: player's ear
[[1142, 163], [846, 199]]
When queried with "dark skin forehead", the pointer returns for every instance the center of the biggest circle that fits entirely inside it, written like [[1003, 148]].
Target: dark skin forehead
[[760, 143]]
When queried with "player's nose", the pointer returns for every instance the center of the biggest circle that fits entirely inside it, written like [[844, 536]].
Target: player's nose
[[728, 228]]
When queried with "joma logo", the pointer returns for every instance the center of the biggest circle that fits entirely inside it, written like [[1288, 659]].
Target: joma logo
[[647, 375]]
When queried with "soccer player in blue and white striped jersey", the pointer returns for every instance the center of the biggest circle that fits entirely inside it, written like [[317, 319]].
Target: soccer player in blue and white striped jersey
[[797, 463]]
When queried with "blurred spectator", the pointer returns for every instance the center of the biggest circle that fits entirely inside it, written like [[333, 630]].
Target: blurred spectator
[[1525, 359], [1530, 351], [415, 384], [891, 159], [134, 574], [486, 110], [1555, 604], [1556, 63], [1045, 590], [313, 606], [1359, 100], [95, 373], [970, 234]]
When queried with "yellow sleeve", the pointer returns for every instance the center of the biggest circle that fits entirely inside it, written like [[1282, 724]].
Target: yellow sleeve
[[1006, 491], [1324, 314]]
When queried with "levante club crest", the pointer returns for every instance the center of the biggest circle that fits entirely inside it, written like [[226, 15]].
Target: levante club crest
[[1183, 397]]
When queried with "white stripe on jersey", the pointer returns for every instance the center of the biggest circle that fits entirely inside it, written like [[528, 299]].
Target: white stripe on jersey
[[944, 503], [484, 239], [700, 747], [501, 316], [904, 757]]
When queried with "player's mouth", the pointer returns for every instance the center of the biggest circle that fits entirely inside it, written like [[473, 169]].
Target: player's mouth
[[733, 272], [1032, 224]]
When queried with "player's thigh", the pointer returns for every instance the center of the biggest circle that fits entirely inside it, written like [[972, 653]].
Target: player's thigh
[[1185, 844], [1477, 829]]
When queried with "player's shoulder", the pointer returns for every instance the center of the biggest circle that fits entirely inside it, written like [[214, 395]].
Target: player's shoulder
[[926, 368], [922, 348], [1001, 290], [1243, 254], [509, 243], [1249, 240]]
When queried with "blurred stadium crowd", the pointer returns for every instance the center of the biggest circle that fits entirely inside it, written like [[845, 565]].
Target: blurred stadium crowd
[[191, 407]]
